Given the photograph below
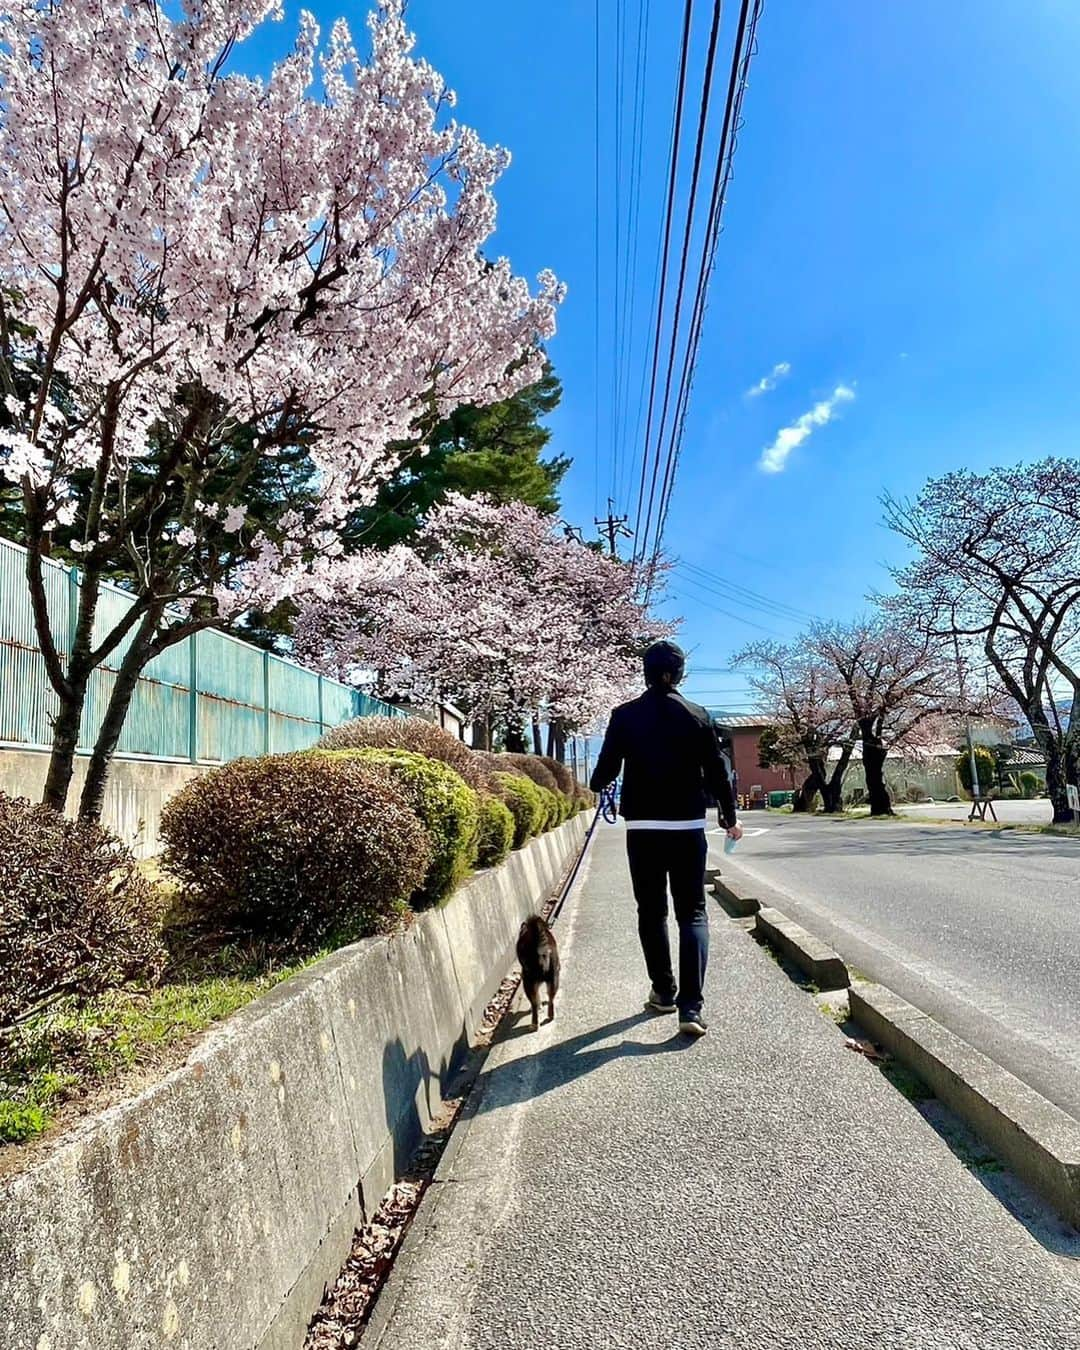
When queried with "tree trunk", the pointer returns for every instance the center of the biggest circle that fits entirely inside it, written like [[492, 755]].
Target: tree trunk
[[515, 740], [806, 795], [481, 731], [557, 742], [112, 724], [68, 723], [836, 781], [65, 741], [537, 736], [831, 791], [1056, 780], [873, 755]]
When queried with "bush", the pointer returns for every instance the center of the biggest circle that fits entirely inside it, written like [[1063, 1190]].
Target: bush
[[1029, 785], [565, 782], [298, 848], [20, 1121], [526, 805], [550, 806], [496, 831], [409, 733], [532, 766], [76, 914], [584, 800], [448, 809], [986, 765]]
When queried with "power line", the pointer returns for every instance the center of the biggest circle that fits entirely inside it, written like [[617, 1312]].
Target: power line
[[684, 257], [624, 337], [673, 174], [616, 270], [744, 49], [596, 260], [739, 618], [734, 591]]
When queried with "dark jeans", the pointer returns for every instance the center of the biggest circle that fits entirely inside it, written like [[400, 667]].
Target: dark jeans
[[676, 857]]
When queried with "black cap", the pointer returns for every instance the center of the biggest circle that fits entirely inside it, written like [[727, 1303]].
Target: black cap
[[664, 658]]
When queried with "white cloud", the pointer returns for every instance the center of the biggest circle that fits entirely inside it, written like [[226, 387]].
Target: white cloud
[[771, 380], [774, 457]]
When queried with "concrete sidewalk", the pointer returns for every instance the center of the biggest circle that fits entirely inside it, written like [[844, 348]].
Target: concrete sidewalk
[[613, 1185]]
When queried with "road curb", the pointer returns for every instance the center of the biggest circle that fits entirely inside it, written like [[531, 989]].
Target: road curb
[[813, 957], [1037, 1139], [742, 906]]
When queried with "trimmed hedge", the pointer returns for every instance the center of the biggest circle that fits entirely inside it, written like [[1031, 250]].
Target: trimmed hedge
[[532, 766], [526, 805], [496, 837], [409, 733], [447, 807], [299, 848], [76, 914], [565, 782], [553, 808]]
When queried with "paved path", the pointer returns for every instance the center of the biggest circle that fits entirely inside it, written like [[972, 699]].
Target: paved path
[[1037, 812], [979, 929], [618, 1187]]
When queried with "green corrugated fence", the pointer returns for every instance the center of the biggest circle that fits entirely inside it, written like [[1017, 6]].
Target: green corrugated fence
[[208, 699]]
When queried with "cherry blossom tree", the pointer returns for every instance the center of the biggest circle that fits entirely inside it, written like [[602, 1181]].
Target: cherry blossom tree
[[797, 687], [494, 609], [895, 686], [870, 684], [211, 283], [996, 570]]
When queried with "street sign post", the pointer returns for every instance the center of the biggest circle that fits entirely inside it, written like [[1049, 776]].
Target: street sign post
[[1072, 792]]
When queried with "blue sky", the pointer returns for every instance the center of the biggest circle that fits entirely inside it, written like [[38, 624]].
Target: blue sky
[[902, 223]]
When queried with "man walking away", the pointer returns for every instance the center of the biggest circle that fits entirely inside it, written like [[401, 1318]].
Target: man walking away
[[668, 751]]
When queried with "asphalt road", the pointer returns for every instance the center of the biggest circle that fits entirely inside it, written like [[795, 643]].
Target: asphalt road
[[979, 929], [614, 1185]]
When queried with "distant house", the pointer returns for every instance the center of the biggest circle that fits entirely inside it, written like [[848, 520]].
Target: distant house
[[740, 734]]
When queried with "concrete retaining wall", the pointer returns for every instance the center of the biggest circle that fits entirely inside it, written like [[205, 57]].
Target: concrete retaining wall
[[135, 791], [209, 1212]]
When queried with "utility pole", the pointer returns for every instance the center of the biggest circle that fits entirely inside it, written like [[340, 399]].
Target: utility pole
[[967, 719], [613, 527]]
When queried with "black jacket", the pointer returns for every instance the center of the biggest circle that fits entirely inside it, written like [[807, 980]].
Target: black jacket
[[670, 756]]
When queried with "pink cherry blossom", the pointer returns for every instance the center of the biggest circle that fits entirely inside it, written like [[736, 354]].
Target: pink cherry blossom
[[304, 249], [494, 609]]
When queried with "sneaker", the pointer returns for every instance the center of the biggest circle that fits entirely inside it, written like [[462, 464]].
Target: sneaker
[[692, 1024], [654, 1003]]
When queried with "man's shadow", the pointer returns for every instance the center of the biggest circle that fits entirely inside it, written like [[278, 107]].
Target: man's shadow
[[530, 1076]]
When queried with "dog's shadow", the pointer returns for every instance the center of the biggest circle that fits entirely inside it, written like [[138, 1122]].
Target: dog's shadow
[[527, 1077]]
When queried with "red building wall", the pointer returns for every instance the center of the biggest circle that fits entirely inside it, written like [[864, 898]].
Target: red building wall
[[744, 743]]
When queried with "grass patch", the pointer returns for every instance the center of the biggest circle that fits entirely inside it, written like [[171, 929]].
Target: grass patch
[[72, 1049], [906, 1082]]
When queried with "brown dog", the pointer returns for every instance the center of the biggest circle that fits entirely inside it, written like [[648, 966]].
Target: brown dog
[[538, 955]]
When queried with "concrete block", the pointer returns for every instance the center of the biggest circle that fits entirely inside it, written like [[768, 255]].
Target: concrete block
[[212, 1209], [1038, 1140], [135, 792], [735, 901], [813, 957]]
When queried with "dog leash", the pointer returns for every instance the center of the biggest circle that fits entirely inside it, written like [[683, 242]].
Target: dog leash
[[606, 810]]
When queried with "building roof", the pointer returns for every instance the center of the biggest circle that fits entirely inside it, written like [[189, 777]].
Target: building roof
[[740, 721], [1023, 754]]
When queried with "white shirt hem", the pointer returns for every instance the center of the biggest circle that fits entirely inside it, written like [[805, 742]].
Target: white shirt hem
[[667, 824]]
